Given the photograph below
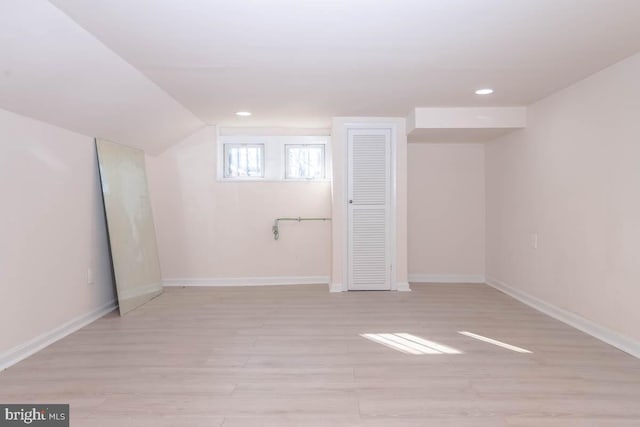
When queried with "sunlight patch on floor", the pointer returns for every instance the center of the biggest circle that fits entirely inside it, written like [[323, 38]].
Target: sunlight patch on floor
[[494, 342], [410, 344]]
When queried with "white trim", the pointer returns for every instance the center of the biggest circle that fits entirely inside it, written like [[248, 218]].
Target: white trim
[[249, 281], [446, 278], [285, 161], [22, 351], [403, 287], [273, 131], [336, 287], [400, 287], [258, 143], [273, 156], [602, 333], [393, 210]]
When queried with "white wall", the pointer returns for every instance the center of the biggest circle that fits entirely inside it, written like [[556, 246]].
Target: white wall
[[573, 178], [446, 212], [52, 228], [214, 232]]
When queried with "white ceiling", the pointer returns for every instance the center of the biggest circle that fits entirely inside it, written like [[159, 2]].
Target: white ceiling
[[51, 69], [299, 63], [291, 62], [457, 135]]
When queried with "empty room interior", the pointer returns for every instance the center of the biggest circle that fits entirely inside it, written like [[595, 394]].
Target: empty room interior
[[320, 213]]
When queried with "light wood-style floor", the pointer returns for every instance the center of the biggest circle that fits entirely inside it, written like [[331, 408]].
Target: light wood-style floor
[[293, 356]]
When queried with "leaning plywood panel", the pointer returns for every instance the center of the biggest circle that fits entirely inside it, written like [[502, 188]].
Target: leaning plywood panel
[[132, 235]]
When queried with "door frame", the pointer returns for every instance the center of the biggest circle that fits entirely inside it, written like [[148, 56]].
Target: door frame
[[392, 127]]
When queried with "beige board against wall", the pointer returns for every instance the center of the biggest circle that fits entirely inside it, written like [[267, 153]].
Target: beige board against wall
[[132, 236]]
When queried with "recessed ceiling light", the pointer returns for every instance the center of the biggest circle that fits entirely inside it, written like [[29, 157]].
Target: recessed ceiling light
[[243, 113], [486, 91]]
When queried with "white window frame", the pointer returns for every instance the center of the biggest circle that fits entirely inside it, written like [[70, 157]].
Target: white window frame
[[286, 162], [228, 145], [273, 156]]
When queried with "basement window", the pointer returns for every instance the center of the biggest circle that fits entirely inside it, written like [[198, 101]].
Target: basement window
[[304, 161], [288, 158], [243, 161]]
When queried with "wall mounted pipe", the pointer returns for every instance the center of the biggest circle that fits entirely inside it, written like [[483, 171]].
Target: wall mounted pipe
[[276, 231]]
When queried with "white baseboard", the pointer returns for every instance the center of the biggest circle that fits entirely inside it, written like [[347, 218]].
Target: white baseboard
[[403, 287], [446, 278], [400, 287], [22, 351], [602, 333], [335, 287], [250, 281]]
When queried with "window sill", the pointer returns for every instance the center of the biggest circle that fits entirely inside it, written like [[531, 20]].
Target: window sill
[[254, 180]]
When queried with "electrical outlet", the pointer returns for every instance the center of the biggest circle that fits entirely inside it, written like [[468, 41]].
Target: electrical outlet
[[534, 241], [89, 276]]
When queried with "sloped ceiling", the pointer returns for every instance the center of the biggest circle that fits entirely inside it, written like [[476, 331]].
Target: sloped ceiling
[[53, 70], [147, 72], [298, 63]]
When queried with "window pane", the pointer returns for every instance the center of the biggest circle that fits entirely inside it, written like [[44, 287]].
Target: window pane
[[304, 161], [244, 160]]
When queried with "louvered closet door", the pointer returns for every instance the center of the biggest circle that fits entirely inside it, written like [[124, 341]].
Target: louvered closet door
[[369, 196]]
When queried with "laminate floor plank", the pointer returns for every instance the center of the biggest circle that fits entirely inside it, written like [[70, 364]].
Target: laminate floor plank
[[295, 356]]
